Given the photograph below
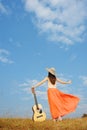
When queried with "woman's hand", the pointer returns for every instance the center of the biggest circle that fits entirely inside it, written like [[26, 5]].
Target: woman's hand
[[32, 89]]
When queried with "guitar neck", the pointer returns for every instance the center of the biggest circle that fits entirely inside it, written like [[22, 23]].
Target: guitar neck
[[35, 98]]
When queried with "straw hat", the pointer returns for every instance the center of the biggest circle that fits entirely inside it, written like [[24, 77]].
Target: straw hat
[[51, 70]]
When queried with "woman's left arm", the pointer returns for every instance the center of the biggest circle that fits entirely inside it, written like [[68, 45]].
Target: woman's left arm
[[64, 82]]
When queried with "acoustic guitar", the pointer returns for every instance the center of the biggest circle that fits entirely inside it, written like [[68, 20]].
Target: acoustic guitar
[[38, 114]]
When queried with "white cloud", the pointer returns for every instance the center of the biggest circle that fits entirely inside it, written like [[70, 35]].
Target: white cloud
[[4, 51], [26, 87], [29, 83], [4, 56], [3, 8], [73, 57], [15, 43], [84, 80], [42, 94], [62, 20], [26, 98]]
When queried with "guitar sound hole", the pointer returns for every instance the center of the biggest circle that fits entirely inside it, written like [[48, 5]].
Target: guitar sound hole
[[40, 111]]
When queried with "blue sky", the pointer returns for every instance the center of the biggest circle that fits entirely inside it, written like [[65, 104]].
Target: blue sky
[[34, 35]]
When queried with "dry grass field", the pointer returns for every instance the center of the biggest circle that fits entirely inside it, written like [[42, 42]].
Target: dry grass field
[[28, 124]]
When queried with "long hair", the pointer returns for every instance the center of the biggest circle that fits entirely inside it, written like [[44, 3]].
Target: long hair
[[52, 78]]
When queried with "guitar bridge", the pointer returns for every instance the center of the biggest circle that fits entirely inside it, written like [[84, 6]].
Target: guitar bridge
[[39, 116]]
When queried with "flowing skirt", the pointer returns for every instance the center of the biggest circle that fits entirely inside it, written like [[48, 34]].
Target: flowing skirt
[[61, 103]]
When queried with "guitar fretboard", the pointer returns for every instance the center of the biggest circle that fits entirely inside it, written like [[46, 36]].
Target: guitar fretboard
[[35, 98]]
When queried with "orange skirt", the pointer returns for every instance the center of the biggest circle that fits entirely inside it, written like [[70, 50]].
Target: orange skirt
[[60, 103]]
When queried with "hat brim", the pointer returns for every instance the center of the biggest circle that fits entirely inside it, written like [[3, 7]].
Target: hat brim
[[49, 70]]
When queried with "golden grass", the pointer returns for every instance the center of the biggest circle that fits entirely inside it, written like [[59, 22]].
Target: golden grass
[[28, 124]]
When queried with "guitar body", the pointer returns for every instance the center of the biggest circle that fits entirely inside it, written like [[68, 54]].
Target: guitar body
[[38, 114]]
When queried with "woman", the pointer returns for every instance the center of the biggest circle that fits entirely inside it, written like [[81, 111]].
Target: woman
[[60, 103]]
